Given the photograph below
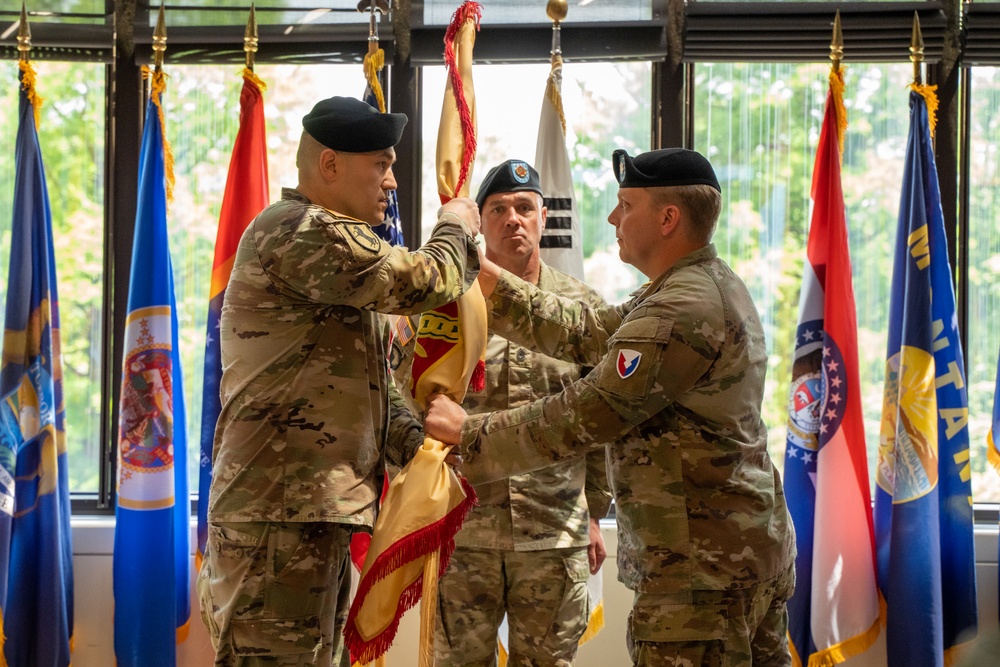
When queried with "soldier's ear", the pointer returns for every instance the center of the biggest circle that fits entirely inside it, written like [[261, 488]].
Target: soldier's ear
[[670, 219], [330, 163]]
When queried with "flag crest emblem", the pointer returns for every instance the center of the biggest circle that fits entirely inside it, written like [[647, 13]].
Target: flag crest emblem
[[621, 168], [520, 172], [628, 362]]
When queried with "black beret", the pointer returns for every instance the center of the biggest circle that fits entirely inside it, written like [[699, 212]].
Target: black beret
[[509, 176], [668, 166], [350, 125]]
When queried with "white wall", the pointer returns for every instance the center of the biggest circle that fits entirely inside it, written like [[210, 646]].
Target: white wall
[[93, 540]]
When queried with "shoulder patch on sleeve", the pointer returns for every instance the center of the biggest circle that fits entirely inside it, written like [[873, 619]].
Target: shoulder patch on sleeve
[[363, 236]]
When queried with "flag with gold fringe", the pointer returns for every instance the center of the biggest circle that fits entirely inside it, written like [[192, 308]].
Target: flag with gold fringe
[[152, 534], [427, 502], [923, 497], [834, 614], [245, 196], [36, 566]]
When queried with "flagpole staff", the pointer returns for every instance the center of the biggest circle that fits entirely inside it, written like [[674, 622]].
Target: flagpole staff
[[375, 59], [159, 41], [837, 44], [23, 36], [250, 40], [556, 11], [916, 49]]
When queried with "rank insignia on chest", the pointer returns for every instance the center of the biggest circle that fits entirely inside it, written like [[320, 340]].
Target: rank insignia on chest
[[628, 363]]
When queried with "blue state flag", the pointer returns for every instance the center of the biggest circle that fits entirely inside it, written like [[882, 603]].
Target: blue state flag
[[923, 498], [152, 552], [36, 554]]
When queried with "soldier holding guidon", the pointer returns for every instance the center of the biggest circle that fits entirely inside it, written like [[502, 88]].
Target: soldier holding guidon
[[704, 537]]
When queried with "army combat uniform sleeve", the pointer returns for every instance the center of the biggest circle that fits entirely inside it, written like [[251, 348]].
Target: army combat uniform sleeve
[[563, 328], [326, 259], [405, 432], [650, 361], [597, 488]]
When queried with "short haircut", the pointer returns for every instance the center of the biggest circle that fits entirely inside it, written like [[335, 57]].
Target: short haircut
[[702, 203]]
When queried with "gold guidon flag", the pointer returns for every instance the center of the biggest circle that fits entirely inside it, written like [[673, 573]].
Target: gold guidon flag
[[427, 502]]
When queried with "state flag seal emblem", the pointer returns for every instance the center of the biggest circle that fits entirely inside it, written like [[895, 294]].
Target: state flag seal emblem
[[628, 362]]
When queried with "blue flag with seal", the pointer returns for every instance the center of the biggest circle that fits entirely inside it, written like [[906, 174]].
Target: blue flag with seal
[[152, 533], [923, 497], [36, 553]]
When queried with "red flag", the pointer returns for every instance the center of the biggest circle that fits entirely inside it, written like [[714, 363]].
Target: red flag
[[245, 197], [834, 613]]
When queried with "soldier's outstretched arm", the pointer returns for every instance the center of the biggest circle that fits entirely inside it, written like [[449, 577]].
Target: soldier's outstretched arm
[[559, 327]]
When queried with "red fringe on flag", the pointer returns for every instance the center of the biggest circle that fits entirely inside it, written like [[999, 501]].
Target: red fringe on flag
[[469, 11], [415, 545], [477, 382]]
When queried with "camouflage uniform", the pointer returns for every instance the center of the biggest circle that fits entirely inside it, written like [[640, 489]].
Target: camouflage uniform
[[523, 549], [307, 408], [676, 390]]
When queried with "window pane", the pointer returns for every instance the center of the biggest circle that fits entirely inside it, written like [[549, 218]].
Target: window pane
[[202, 117], [509, 102], [759, 124], [71, 136], [984, 273]]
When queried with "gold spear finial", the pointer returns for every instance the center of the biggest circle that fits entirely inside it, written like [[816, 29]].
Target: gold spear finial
[[23, 35], [837, 44], [374, 7], [159, 40], [250, 40], [916, 48]]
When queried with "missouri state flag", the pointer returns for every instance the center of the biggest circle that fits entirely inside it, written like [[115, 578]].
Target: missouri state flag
[[245, 196], [152, 542], [36, 566], [834, 613], [923, 498]]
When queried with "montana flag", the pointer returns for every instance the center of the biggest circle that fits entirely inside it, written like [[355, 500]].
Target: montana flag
[[834, 613], [427, 502], [245, 196], [923, 501], [36, 554], [152, 541], [561, 242]]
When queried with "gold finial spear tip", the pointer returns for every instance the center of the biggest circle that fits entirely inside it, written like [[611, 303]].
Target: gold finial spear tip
[[159, 39], [916, 47], [23, 35], [250, 40], [837, 43], [556, 10]]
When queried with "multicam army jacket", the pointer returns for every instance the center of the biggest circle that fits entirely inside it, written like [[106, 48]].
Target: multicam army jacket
[[548, 508], [307, 404], [676, 392]]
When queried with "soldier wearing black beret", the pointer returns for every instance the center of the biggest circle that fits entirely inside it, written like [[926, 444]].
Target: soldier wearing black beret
[[524, 551], [309, 414], [705, 539]]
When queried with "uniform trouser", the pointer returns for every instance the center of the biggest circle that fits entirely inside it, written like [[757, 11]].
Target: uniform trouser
[[276, 594], [733, 628], [544, 594]]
